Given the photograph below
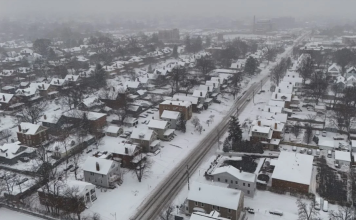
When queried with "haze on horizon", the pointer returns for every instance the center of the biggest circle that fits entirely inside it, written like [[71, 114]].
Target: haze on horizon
[[181, 8]]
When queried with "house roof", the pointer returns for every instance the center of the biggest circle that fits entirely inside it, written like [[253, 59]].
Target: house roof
[[214, 195], [182, 103], [241, 175], [12, 150], [281, 96], [29, 128], [142, 134], [281, 117], [157, 124], [342, 155], [57, 82], [40, 86], [214, 215], [79, 114], [113, 129], [7, 97], [200, 93], [68, 184], [293, 167], [120, 148], [334, 68], [170, 114], [272, 109], [276, 103], [131, 84], [104, 165], [71, 78], [193, 100]]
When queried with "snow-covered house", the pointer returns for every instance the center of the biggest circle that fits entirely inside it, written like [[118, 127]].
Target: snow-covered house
[[101, 172], [293, 172], [268, 132], [206, 198], [32, 134], [162, 128], [237, 179], [132, 86], [114, 131], [130, 121], [351, 81], [11, 153], [123, 152], [6, 100], [72, 78], [282, 97], [202, 95], [334, 70], [72, 196], [171, 117], [144, 137], [343, 158], [194, 100], [184, 107], [325, 144], [90, 104], [58, 83]]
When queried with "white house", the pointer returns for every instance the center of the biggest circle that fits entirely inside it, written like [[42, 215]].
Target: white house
[[343, 158], [237, 179], [172, 117]]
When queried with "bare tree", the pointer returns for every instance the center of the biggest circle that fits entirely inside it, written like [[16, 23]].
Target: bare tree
[[167, 214], [195, 121], [75, 203], [32, 112], [296, 129], [336, 89], [344, 213], [199, 128], [306, 211], [5, 134], [279, 71], [306, 69], [318, 86], [308, 134], [143, 168], [205, 65]]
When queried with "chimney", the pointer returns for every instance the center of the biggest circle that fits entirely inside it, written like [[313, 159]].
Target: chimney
[[113, 89], [214, 85], [275, 125], [126, 150], [199, 188], [57, 81], [170, 103], [201, 93], [45, 117], [72, 77], [269, 109], [3, 97], [19, 126], [97, 166], [279, 90], [42, 86], [259, 123]]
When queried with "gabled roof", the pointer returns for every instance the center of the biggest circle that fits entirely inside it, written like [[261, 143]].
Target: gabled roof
[[29, 128], [131, 84], [177, 103], [157, 124], [113, 129], [170, 114], [120, 148], [193, 100], [241, 175], [142, 134], [215, 195], [90, 165], [7, 97], [71, 78], [57, 82], [199, 93], [40, 86], [334, 68]]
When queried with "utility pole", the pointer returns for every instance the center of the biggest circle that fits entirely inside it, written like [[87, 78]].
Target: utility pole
[[188, 176], [261, 84]]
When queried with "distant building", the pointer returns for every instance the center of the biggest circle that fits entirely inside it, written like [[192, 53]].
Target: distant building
[[349, 40], [169, 35], [262, 26]]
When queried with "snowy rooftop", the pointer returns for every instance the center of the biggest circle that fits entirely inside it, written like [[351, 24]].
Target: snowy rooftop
[[342, 155], [200, 93], [79, 114], [214, 195], [157, 124], [281, 97], [294, 167], [70, 186], [170, 114], [29, 128], [119, 148], [144, 134], [182, 103], [113, 129], [281, 117], [5, 98], [249, 177], [276, 103], [193, 100], [214, 215], [11, 150], [272, 109], [105, 165]]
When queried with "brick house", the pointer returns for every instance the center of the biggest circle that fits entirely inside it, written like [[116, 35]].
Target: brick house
[[207, 198], [267, 132], [293, 172], [32, 135], [96, 120], [184, 107], [71, 196], [6, 100]]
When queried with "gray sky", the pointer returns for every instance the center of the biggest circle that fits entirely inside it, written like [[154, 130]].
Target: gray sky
[[232, 8]]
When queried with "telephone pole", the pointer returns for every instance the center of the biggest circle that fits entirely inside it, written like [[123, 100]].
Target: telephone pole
[[188, 176]]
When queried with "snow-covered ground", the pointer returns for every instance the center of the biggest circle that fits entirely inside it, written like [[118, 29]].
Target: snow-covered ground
[[7, 214]]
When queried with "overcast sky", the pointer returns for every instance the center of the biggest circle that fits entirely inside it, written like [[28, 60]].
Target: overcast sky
[[231, 8]]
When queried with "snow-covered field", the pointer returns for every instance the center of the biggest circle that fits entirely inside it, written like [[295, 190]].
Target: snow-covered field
[[7, 214]]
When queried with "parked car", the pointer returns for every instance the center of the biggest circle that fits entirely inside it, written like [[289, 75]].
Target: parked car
[[302, 151], [294, 148], [144, 122], [216, 101], [310, 152], [329, 154], [250, 210], [325, 206], [317, 152], [317, 133], [68, 168], [338, 137], [324, 134], [317, 203], [276, 212], [124, 135]]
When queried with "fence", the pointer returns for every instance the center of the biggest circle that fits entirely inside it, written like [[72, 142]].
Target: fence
[[28, 212]]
